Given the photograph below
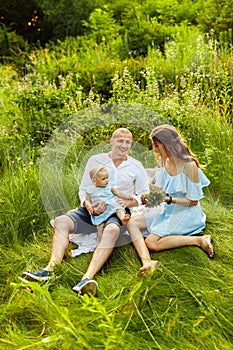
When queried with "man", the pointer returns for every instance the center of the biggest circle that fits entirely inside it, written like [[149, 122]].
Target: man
[[129, 177]]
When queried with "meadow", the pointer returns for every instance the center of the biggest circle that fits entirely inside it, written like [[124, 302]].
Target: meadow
[[57, 112]]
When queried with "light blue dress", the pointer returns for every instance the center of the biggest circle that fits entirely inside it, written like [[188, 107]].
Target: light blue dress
[[178, 219], [105, 194]]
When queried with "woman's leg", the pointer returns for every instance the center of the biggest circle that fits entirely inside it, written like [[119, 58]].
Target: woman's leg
[[134, 226], [158, 244]]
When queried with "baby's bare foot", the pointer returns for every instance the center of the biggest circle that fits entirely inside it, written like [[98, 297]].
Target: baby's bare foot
[[149, 267], [207, 246], [126, 219]]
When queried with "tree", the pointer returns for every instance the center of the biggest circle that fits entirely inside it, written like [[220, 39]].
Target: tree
[[65, 17], [45, 20], [216, 15], [102, 25], [22, 16]]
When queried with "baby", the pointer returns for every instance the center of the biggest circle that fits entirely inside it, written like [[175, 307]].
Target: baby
[[102, 190]]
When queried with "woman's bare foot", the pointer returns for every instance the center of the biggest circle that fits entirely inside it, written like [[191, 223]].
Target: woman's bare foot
[[149, 267], [125, 219], [207, 246]]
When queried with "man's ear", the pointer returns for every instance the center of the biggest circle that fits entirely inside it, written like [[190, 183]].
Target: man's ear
[[111, 140]]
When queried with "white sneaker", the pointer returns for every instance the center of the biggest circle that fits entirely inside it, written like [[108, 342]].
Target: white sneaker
[[86, 286], [40, 276]]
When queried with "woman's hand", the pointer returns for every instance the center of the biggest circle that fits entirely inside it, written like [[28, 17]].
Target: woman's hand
[[154, 188]]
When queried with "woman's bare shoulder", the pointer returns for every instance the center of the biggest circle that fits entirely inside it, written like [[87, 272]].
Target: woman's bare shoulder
[[191, 170]]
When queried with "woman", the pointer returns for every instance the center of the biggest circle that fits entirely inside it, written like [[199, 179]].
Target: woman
[[182, 179]]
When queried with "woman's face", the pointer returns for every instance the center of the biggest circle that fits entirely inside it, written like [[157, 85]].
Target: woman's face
[[158, 146]]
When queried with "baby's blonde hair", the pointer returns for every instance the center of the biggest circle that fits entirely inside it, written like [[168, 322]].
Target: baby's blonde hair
[[95, 170]]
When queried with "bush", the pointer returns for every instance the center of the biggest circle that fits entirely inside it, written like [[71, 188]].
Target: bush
[[13, 48]]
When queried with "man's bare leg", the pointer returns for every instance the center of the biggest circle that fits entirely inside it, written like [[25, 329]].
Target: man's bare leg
[[100, 229], [103, 250], [63, 225]]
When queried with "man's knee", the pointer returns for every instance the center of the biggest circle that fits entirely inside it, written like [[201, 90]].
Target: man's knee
[[63, 223], [112, 230]]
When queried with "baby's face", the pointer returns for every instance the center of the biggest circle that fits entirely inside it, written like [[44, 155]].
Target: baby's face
[[101, 179]]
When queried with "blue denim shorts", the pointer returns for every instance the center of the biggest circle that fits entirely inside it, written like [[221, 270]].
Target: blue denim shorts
[[82, 220]]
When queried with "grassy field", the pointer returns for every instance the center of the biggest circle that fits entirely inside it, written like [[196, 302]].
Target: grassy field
[[185, 304], [48, 130]]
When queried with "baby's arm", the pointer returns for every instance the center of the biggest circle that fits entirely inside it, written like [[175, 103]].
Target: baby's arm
[[120, 194], [87, 204]]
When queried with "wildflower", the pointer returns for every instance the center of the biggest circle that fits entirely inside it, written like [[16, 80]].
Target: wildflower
[[152, 199]]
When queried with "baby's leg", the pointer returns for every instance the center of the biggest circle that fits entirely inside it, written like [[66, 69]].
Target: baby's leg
[[123, 216]]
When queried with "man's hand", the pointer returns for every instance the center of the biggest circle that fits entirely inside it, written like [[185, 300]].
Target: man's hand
[[98, 208]]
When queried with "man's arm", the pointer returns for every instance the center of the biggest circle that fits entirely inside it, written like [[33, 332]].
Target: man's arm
[[138, 183], [141, 184], [87, 204]]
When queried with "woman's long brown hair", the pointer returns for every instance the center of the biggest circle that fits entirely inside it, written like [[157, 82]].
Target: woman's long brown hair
[[174, 143]]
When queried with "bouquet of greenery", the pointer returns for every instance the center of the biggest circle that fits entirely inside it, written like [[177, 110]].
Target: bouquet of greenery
[[152, 199]]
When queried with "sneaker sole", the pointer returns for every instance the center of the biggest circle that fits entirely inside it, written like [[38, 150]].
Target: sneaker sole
[[89, 288], [30, 277]]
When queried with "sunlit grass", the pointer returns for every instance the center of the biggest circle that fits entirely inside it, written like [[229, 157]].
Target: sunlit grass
[[187, 303]]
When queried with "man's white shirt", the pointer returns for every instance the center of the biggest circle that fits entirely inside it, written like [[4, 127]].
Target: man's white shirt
[[129, 177]]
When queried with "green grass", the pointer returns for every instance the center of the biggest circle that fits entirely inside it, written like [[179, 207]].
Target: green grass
[[186, 304]]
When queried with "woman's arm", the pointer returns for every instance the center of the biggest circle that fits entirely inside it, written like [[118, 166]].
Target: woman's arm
[[181, 201], [191, 171]]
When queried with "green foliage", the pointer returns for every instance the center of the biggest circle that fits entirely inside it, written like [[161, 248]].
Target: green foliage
[[216, 16], [24, 17], [65, 18], [12, 47], [62, 109], [102, 25], [152, 199], [22, 211], [139, 23], [179, 306], [5, 43], [144, 33]]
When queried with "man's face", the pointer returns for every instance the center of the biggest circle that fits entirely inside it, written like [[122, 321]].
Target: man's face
[[121, 144]]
